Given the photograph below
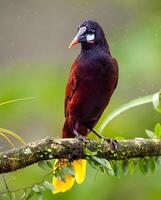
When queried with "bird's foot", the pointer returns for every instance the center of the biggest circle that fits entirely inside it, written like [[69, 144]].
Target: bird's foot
[[111, 141], [78, 136]]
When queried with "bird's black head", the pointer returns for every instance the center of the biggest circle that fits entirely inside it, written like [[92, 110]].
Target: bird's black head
[[90, 34]]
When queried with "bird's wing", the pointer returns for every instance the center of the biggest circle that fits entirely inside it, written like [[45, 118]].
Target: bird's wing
[[70, 87], [114, 61]]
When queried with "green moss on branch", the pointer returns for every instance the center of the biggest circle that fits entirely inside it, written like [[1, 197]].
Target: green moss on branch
[[50, 148]]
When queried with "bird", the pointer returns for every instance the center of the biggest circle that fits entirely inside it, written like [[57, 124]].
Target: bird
[[92, 80]]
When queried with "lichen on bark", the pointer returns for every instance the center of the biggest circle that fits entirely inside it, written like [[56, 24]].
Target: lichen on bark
[[51, 148]]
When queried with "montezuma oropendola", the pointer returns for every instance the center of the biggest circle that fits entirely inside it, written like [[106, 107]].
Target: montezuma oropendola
[[92, 80]]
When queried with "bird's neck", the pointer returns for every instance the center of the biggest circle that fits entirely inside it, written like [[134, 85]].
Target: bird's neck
[[86, 47]]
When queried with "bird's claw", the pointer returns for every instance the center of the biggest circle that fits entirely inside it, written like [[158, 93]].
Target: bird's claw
[[113, 142], [79, 137]]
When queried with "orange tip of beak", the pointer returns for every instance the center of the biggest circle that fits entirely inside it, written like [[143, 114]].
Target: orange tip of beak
[[74, 42]]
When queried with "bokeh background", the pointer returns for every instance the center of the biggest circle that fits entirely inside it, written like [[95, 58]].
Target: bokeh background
[[35, 61]]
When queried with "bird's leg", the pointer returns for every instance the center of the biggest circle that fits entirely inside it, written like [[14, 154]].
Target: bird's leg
[[109, 140], [78, 136]]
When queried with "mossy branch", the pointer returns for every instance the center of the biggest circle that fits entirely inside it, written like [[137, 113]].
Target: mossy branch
[[50, 148]]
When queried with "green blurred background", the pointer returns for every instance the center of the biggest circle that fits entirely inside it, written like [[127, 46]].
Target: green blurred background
[[35, 61]]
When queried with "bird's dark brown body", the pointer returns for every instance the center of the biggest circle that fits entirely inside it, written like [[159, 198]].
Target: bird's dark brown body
[[92, 80]]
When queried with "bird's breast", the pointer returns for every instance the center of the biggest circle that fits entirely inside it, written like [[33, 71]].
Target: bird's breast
[[98, 70]]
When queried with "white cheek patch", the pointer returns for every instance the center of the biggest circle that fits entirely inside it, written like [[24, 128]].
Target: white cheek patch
[[90, 38]]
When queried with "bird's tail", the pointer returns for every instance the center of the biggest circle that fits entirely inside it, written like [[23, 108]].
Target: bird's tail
[[79, 167]]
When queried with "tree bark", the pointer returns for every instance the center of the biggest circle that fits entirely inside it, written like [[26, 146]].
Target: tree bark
[[51, 148]]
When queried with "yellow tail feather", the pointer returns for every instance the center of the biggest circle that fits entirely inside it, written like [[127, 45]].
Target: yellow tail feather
[[60, 186], [79, 175], [80, 170]]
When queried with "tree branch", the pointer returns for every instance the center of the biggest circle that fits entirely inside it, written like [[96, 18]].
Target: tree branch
[[50, 148]]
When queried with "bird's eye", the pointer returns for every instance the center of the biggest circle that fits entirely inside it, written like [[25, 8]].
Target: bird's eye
[[91, 30]]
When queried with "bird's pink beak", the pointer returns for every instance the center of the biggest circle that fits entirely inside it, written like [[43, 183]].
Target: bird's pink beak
[[75, 41]]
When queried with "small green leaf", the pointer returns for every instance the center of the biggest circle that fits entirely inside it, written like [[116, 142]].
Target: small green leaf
[[35, 188], [150, 134], [39, 196], [116, 168], [109, 169], [89, 153], [125, 167], [157, 101], [49, 164], [102, 169], [151, 164], [119, 138], [12, 195], [43, 165], [42, 188], [132, 165], [102, 164], [100, 161], [92, 163], [24, 194], [59, 174], [48, 185], [29, 195], [158, 160], [143, 165], [157, 130]]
